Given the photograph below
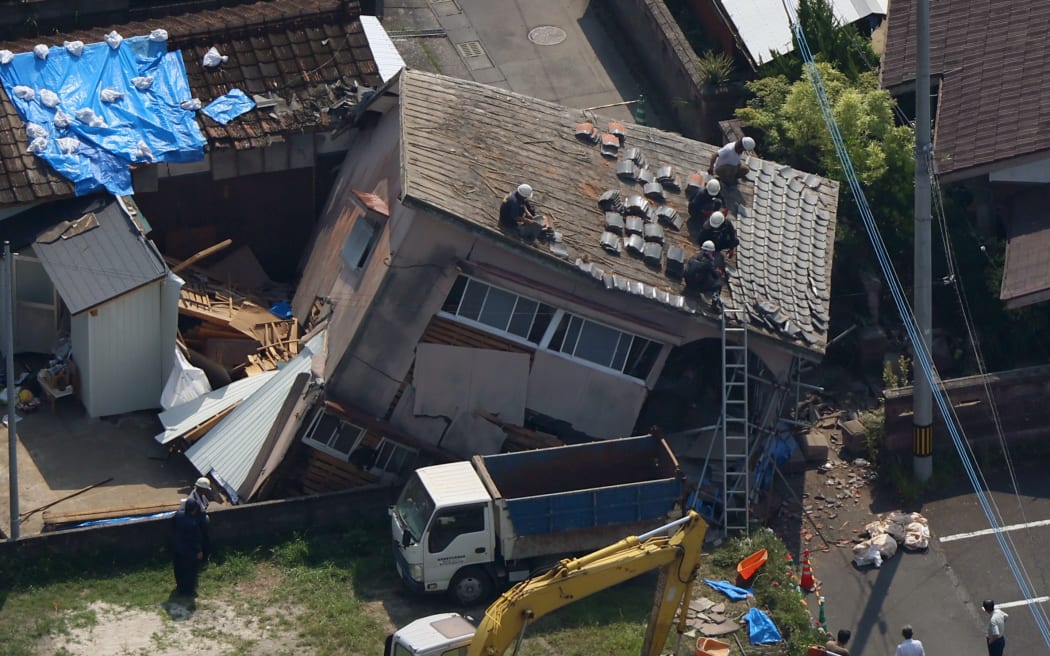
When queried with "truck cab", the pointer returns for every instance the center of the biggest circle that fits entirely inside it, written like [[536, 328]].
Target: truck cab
[[447, 634], [444, 535]]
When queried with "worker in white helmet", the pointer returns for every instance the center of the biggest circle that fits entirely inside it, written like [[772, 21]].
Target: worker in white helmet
[[727, 164], [201, 495], [720, 231], [707, 200], [705, 273], [517, 207]]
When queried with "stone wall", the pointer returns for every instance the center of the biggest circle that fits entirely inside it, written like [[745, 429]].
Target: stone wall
[[228, 524]]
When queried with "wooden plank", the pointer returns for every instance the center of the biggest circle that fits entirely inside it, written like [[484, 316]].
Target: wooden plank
[[52, 518]]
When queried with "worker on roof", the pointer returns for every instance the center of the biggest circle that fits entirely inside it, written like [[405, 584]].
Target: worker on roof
[[726, 163], [705, 273], [720, 230], [516, 207], [707, 200]]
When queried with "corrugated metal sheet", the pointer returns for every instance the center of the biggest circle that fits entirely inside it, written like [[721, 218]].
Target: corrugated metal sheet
[[233, 445], [102, 263], [386, 56], [457, 481], [187, 416], [762, 25]]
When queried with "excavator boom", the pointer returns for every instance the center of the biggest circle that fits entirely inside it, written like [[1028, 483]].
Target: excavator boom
[[674, 549]]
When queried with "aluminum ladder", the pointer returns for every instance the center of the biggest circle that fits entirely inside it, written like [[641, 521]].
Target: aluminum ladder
[[736, 486]]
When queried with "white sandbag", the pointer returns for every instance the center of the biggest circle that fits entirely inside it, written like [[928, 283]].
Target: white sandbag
[[878, 527], [212, 58], [158, 35], [866, 553], [87, 115], [144, 151], [896, 531], [75, 48], [36, 131], [6, 56], [41, 51], [191, 105], [886, 544], [23, 92], [143, 82], [109, 94], [113, 39], [38, 145], [68, 145], [49, 98], [917, 537], [62, 120]]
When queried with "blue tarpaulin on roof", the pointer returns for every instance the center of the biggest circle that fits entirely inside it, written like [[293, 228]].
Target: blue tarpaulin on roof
[[226, 108], [144, 125]]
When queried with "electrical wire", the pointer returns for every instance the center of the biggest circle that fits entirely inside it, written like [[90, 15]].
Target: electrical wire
[[920, 348]]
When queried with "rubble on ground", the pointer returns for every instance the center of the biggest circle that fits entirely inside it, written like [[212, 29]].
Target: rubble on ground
[[908, 530]]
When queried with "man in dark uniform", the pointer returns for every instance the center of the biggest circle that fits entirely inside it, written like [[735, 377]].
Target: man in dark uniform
[[719, 230], [188, 548], [516, 207], [706, 201], [706, 272]]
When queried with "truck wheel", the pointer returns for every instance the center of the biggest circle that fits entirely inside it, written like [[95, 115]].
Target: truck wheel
[[470, 586]]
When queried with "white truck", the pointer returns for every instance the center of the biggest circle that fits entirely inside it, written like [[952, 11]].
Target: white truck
[[467, 527]]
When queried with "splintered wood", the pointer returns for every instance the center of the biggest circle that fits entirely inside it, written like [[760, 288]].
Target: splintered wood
[[234, 331]]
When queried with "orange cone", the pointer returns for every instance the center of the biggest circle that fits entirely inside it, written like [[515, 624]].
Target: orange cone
[[806, 582]]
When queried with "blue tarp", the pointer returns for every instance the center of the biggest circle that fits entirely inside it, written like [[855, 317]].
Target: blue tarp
[[760, 628], [142, 126], [125, 520], [226, 108], [730, 590]]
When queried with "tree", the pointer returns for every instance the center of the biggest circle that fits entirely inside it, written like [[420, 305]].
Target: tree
[[842, 46]]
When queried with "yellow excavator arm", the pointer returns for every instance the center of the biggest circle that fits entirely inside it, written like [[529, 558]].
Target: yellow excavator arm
[[674, 549]]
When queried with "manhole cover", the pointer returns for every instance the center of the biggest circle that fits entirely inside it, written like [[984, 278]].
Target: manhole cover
[[547, 35]]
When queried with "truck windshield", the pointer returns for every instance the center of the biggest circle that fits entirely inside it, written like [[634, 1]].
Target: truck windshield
[[414, 507]]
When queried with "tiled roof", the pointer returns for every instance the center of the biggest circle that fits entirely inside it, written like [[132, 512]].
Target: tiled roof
[[992, 57], [465, 145], [306, 52], [1026, 272]]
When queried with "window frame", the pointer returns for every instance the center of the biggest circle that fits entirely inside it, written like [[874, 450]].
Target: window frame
[[382, 466], [504, 332], [365, 250], [325, 447]]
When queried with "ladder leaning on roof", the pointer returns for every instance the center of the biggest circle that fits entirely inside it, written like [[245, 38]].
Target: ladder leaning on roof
[[736, 488]]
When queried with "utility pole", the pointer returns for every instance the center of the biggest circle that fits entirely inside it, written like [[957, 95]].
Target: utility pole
[[922, 422], [9, 352]]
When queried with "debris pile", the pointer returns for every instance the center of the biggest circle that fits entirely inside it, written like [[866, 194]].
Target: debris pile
[[909, 530], [709, 618]]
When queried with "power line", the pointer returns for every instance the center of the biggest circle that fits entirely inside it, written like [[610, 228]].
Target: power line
[[921, 350]]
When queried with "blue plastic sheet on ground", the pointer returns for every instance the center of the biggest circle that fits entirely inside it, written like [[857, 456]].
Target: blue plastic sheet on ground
[[226, 108], [142, 126], [282, 309], [760, 628], [730, 590], [125, 520]]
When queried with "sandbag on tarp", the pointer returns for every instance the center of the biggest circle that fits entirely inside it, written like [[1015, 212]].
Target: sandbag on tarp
[[124, 116]]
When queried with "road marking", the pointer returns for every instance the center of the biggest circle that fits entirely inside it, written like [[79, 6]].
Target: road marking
[[992, 531], [1026, 602]]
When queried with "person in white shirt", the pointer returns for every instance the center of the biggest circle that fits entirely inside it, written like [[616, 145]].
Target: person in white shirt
[[910, 646], [995, 636], [726, 162]]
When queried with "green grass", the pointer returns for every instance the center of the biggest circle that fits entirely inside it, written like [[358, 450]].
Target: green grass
[[312, 591]]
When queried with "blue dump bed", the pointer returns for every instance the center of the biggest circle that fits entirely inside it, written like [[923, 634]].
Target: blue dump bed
[[580, 497]]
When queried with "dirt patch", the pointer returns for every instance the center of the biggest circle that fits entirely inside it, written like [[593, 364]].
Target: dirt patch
[[175, 628]]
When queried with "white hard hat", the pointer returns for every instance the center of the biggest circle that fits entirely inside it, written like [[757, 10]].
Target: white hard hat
[[708, 246], [203, 482], [717, 219], [714, 186], [525, 191], [748, 142]]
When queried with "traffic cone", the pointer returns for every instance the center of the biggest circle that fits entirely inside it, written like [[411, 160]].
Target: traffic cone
[[806, 583], [821, 621]]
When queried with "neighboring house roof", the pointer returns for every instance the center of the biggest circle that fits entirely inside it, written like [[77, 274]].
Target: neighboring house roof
[[1026, 272], [306, 53], [465, 145], [763, 29], [231, 448], [991, 59], [184, 417], [97, 264]]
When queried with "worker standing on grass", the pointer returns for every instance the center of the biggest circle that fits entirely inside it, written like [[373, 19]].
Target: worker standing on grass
[[187, 549], [201, 494]]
